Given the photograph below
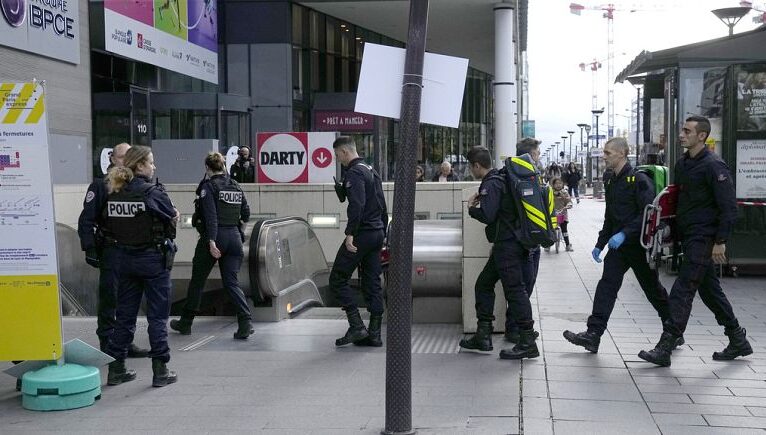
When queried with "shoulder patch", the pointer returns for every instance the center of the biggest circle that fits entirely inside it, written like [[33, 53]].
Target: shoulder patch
[[90, 195], [722, 177], [348, 184], [202, 193], [483, 192]]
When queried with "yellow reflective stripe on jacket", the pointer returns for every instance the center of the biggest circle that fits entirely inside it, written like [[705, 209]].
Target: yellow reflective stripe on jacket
[[523, 163]]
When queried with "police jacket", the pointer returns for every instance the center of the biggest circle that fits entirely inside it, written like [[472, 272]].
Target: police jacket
[[496, 208], [139, 215], [627, 193], [223, 204], [707, 204], [366, 202], [91, 218]]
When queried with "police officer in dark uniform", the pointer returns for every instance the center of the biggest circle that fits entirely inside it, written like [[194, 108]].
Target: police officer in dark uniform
[[365, 231], [705, 215], [140, 221], [221, 210], [100, 255], [494, 206], [627, 193]]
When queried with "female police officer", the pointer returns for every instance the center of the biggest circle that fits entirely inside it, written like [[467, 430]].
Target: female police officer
[[140, 222], [223, 208]]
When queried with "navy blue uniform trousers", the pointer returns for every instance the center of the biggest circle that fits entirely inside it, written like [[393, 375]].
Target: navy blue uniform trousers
[[529, 273], [698, 273], [107, 297], [229, 242], [139, 272], [367, 257], [616, 264], [506, 262]]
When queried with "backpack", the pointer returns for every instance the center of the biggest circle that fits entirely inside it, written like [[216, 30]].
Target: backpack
[[536, 223]]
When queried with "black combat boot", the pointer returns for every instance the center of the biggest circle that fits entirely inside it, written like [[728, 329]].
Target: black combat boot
[[373, 339], [481, 342], [588, 339], [512, 335], [679, 342], [137, 352], [182, 325], [245, 328], [162, 376], [525, 348], [660, 355], [356, 330], [738, 345], [118, 373]]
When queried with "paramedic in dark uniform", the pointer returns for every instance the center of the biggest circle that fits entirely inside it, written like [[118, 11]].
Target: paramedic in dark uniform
[[100, 255], [365, 231], [705, 215], [627, 193], [140, 221], [224, 209], [530, 146], [493, 205]]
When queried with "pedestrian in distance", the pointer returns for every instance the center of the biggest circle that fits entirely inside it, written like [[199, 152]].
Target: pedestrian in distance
[[531, 146], [627, 193], [140, 222], [445, 174], [705, 214], [494, 206], [364, 236], [100, 254], [562, 203], [243, 169], [572, 177], [221, 210]]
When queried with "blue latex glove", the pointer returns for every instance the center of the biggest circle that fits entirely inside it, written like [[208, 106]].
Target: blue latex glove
[[595, 253], [616, 240]]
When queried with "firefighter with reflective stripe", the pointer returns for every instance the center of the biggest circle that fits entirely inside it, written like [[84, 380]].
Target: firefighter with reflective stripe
[[365, 231], [140, 222], [219, 214], [627, 194], [493, 205], [101, 255], [705, 215]]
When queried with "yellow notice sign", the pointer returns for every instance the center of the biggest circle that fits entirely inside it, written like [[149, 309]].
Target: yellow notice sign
[[28, 305], [30, 310]]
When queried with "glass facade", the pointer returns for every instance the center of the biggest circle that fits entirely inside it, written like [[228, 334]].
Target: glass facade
[[327, 58]]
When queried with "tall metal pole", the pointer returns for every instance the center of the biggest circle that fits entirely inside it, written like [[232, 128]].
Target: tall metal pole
[[399, 335], [564, 146], [571, 159]]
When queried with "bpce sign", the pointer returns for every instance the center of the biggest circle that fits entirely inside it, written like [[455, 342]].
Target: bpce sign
[[53, 30]]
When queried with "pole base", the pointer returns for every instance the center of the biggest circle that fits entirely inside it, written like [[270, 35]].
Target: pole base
[[55, 388], [410, 432]]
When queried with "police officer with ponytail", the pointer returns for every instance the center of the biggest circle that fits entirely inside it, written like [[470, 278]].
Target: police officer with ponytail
[[140, 223], [221, 208]]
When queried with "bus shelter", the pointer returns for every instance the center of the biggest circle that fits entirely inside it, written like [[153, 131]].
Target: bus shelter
[[724, 80]]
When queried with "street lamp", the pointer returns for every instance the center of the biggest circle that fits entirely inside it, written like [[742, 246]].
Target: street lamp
[[731, 16], [556, 153], [570, 145], [597, 113], [582, 126], [564, 144]]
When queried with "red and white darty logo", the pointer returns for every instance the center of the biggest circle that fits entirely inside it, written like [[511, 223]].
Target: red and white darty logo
[[283, 158]]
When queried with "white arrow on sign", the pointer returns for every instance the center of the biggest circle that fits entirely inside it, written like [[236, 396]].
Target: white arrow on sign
[[322, 158]]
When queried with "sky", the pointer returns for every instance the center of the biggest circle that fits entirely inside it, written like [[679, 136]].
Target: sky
[[560, 94]]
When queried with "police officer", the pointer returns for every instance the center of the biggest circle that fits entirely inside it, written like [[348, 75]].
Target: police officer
[[705, 215], [494, 206], [627, 193], [223, 208], [365, 231], [100, 255], [140, 221], [531, 146]]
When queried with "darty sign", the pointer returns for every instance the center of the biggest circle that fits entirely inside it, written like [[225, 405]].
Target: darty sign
[[295, 157], [47, 27], [343, 121]]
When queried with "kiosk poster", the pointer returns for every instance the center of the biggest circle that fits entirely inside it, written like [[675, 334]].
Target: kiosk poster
[[30, 313], [751, 95], [751, 169]]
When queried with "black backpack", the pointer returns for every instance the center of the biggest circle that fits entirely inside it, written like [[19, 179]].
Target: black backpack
[[536, 223]]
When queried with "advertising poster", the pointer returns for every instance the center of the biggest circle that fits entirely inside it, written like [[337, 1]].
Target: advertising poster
[[45, 27], [751, 95], [179, 35], [296, 158], [30, 313], [751, 169]]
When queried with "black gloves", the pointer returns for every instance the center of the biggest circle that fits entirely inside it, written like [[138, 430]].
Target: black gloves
[[92, 257]]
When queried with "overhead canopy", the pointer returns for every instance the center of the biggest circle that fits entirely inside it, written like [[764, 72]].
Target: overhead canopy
[[746, 47]]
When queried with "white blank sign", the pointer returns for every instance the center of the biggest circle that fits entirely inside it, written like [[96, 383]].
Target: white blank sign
[[380, 85]]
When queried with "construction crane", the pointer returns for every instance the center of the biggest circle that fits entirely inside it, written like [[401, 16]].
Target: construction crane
[[760, 18], [608, 11], [593, 66]]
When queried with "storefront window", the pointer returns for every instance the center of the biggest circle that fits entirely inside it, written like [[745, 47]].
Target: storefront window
[[702, 93]]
